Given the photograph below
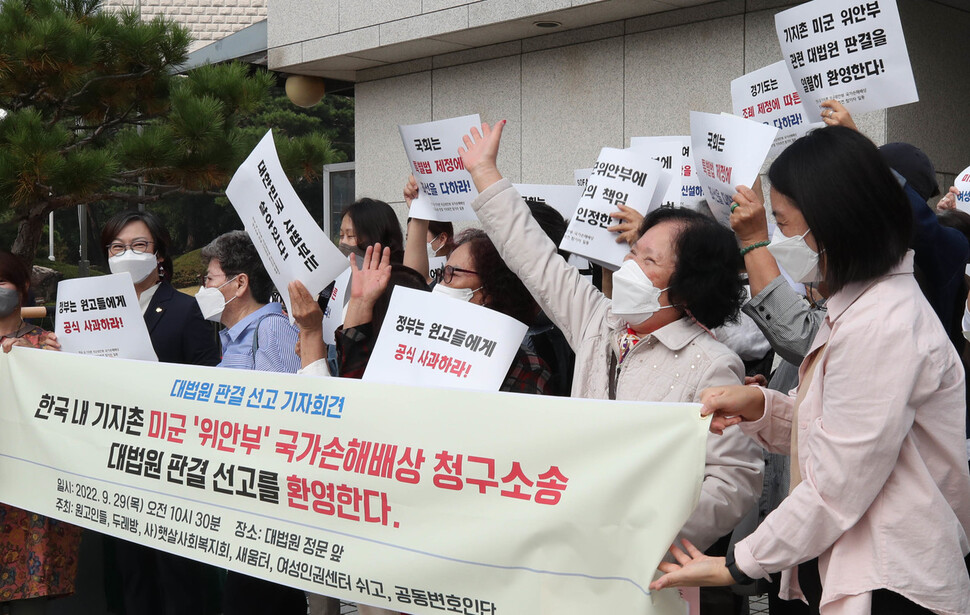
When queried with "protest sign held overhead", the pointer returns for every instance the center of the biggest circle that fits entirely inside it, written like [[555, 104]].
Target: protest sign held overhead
[[691, 193], [852, 51], [668, 154], [291, 245], [563, 199], [729, 151], [769, 96], [438, 499], [446, 188], [100, 316], [436, 341], [620, 177]]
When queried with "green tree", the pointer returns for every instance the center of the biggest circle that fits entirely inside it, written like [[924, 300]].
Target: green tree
[[95, 111]]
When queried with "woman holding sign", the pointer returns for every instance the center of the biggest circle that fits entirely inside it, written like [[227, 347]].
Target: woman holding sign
[[878, 514], [39, 554], [653, 341]]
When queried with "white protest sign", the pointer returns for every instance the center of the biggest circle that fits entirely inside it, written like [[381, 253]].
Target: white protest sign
[[691, 192], [291, 245], [849, 50], [333, 316], [437, 341], [769, 96], [729, 151], [446, 188], [580, 176], [378, 494], [100, 316], [962, 183], [436, 265], [621, 176], [561, 198], [668, 154]]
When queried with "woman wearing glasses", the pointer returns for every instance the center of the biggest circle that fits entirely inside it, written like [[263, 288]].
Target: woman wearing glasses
[[137, 242]]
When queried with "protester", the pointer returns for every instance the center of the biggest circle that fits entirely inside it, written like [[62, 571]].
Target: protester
[[236, 291], [892, 409], [153, 581], [369, 221], [438, 238], [40, 554], [653, 342]]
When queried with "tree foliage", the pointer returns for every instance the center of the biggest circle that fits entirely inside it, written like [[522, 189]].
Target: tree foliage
[[96, 112]]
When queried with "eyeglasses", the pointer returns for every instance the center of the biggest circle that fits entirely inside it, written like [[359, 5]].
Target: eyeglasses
[[138, 247], [449, 273]]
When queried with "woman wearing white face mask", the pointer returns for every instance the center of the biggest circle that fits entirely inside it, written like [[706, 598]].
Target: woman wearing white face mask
[[875, 428], [438, 239], [236, 292], [137, 243], [651, 343]]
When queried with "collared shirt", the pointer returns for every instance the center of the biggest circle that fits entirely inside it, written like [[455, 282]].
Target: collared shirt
[[884, 500], [264, 340]]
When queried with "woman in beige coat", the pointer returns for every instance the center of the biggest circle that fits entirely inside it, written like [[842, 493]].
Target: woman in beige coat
[[652, 342]]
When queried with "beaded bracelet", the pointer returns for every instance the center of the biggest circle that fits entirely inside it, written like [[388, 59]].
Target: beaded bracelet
[[760, 244]]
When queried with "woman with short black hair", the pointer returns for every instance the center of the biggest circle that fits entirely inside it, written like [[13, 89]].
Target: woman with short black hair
[[878, 513]]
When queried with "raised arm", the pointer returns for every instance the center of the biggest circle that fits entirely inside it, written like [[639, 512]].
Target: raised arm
[[415, 254], [570, 301]]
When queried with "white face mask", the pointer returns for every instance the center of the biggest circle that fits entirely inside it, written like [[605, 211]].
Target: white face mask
[[432, 253], [795, 256], [634, 295], [211, 301], [462, 294], [140, 266]]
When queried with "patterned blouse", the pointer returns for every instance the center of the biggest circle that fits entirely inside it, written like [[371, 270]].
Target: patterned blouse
[[39, 554]]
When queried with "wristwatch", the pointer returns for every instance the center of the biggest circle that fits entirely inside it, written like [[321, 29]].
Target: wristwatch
[[739, 577]]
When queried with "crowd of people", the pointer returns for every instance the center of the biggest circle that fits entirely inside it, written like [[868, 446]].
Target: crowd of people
[[829, 352]]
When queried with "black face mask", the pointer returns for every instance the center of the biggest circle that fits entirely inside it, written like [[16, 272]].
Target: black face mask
[[9, 301], [348, 250]]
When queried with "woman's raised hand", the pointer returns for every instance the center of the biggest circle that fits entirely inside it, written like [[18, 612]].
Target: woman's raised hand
[[369, 281], [304, 308], [748, 219], [410, 190], [629, 227], [480, 152]]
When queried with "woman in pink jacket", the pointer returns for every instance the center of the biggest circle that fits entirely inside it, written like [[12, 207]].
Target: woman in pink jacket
[[879, 509]]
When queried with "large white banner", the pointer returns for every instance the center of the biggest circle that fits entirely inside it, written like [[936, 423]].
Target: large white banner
[[446, 188], [291, 245], [620, 177], [433, 340], [691, 192], [729, 151], [769, 96], [408, 498], [849, 50], [100, 316]]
